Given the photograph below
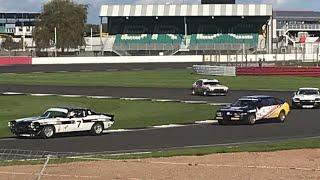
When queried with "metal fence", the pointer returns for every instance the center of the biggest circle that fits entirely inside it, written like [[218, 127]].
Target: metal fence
[[38, 165]]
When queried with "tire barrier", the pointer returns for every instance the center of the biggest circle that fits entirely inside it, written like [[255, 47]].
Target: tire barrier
[[279, 71], [15, 60], [214, 70]]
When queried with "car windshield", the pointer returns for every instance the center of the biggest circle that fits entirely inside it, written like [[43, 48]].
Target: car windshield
[[308, 92], [54, 114], [245, 102], [211, 83]]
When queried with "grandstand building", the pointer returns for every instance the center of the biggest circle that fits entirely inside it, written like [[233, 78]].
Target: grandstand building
[[17, 24], [297, 31], [188, 29]]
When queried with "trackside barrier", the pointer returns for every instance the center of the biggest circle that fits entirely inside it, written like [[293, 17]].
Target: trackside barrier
[[115, 59], [15, 60], [279, 71], [214, 70]]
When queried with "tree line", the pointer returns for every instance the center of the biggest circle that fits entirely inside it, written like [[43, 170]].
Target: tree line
[[61, 24]]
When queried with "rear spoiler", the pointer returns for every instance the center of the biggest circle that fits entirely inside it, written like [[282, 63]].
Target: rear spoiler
[[110, 115]]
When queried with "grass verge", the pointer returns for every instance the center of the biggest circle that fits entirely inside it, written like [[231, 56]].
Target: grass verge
[[158, 78], [128, 114], [257, 147]]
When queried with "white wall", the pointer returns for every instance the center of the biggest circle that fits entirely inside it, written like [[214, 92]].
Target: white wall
[[115, 59], [194, 58]]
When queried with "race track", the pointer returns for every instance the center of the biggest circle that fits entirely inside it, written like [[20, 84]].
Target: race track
[[299, 124]]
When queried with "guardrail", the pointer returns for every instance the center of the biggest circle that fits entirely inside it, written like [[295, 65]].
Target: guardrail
[[279, 71], [214, 70], [15, 60]]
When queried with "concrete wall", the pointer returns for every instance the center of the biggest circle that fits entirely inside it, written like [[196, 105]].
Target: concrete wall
[[115, 59], [194, 58]]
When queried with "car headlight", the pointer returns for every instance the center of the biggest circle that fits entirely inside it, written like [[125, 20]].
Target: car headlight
[[317, 99], [243, 114], [296, 99], [219, 114], [34, 125], [10, 124]]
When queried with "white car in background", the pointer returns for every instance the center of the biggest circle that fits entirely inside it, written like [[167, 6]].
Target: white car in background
[[208, 87], [61, 120], [306, 98]]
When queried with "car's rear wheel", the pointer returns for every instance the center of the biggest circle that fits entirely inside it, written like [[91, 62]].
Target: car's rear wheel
[[97, 129], [251, 119], [205, 93], [47, 132], [282, 116]]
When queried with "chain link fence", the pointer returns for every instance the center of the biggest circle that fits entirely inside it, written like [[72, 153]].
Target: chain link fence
[[41, 165]]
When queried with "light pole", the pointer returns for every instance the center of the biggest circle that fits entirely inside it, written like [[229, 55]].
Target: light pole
[[55, 41]]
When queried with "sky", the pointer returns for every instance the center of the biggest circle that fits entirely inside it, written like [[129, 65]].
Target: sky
[[94, 5]]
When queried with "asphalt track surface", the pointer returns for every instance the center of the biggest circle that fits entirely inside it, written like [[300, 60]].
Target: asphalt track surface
[[299, 124]]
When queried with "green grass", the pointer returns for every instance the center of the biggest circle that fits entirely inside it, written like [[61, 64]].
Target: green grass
[[257, 147], [158, 78], [128, 114]]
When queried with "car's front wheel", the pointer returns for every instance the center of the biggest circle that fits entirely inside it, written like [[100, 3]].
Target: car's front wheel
[[97, 129], [47, 132], [222, 122], [282, 116], [193, 92], [251, 119]]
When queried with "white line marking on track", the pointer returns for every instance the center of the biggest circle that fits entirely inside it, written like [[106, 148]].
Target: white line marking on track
[[165, 100], [195, 102], [102, 97], [207, 122], [42, 94], [136, 99], [112, 69], [70, 95], [12, 93], [61, 71], [169, 126]]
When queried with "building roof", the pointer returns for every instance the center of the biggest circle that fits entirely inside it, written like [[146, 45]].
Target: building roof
[[19, 15], [297, 15], [186, 10]]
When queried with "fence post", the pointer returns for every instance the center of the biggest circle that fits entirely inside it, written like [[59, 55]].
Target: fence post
[[44, 166]]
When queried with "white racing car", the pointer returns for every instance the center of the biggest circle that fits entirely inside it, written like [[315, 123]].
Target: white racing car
[[306, 98], [60, 120], [208, 87]]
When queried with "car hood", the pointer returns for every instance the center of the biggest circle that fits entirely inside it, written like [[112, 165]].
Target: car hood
[[235, 109], [307, 97], [217, 86], [30, 119]]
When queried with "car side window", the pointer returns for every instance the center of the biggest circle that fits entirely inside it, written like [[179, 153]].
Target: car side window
[[264, 102], [272, 101], [279, 101], [78, 113]]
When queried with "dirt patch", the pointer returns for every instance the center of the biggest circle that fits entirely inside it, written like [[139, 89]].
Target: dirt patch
[[293, 164]]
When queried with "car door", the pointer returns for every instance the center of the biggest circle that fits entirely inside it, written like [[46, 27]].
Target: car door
[[268, 108], [263, 109], [72, 123], [199, 86]]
